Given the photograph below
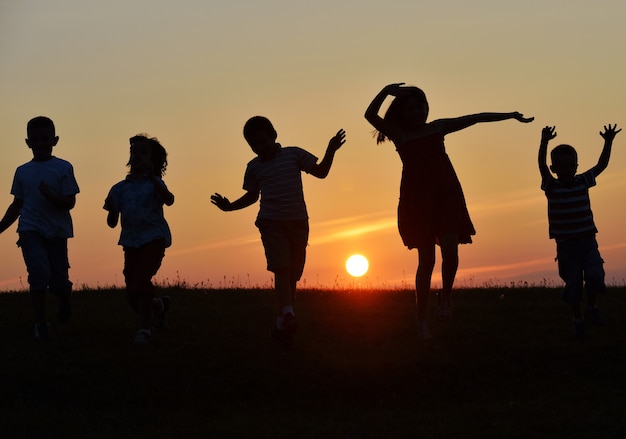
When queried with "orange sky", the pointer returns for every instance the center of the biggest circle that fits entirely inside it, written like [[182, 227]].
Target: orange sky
[[191, 73]]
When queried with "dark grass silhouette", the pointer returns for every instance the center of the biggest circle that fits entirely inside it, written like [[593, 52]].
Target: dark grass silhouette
[[505, 366]]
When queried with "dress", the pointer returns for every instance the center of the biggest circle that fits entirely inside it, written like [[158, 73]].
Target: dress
[[431, 198]]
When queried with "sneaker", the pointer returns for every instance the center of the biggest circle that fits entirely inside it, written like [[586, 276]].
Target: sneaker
[[290, 324], [42, 331], [158, 322], [579, 329], [142, 337], [593, 315], [283, 337], [64, 313]]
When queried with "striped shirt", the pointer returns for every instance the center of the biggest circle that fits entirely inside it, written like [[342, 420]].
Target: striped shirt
[[279, 181], [569, 207]]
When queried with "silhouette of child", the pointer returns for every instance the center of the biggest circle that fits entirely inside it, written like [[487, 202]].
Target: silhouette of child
[[432, 207], [145, 234], [571, 224], [275, 175], [44, 191]]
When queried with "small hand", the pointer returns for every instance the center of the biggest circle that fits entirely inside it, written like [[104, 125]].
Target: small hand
[[337, 141], [394, 89], [221, 202], [610, 132], [520, 117], [548, 133]]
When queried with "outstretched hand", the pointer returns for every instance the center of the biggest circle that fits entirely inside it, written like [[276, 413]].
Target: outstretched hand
[[610, 132], [337, 141], [548, 133], [520, 117], [221, 202]]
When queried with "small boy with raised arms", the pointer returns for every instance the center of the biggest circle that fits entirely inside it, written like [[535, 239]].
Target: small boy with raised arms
[[275, 176], [44, 191], [572, 226]]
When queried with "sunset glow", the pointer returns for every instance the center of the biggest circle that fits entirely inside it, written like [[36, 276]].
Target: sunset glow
[[191, 73], [357, 265]]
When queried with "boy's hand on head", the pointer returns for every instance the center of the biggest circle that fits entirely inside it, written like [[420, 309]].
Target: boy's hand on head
[[610, 132], [548, 133], [221, 202], [337, 141], [520, 117]]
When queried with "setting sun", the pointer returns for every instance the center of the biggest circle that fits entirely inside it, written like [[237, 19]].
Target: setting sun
[[357, 265]]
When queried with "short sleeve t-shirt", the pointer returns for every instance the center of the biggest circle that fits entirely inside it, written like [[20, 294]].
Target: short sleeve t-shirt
[[37, 213], [279, 181], [141, 210]]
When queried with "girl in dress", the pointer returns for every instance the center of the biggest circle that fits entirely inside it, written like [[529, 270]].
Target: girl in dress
[[432, 208]]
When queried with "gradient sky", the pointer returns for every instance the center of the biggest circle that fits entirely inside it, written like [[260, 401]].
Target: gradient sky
[[192, 72]]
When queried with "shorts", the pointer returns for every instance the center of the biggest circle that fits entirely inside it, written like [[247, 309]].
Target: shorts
[[580, 266], [46, 262], [285, 245], [140, 266]]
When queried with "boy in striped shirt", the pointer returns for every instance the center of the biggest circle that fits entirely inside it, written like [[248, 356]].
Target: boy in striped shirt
[[275, 176], [571, 224]]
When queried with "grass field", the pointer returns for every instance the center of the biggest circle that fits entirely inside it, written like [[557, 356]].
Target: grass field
[[506, 366]]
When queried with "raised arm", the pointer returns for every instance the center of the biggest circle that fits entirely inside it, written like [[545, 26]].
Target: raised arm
[[547, 134], [372, 116], [608, 135], [321, 169], [12, 214], [242, 202], [446, 126]]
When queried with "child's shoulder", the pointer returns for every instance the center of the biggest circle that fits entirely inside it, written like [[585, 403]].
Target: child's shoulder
[[120, 184], [53, 162]]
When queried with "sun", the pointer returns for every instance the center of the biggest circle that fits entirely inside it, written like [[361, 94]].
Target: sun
[[357, 265]]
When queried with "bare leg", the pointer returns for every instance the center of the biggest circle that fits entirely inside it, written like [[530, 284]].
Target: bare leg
[[426, 264], [449, 266], [144, 309], [283, 287], [592, 297], [38, 300], [579, 322]]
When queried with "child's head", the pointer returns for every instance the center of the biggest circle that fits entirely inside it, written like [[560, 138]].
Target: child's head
[[564, 162], [147, 156], [41, 137], [261, 136], [408, 109]]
